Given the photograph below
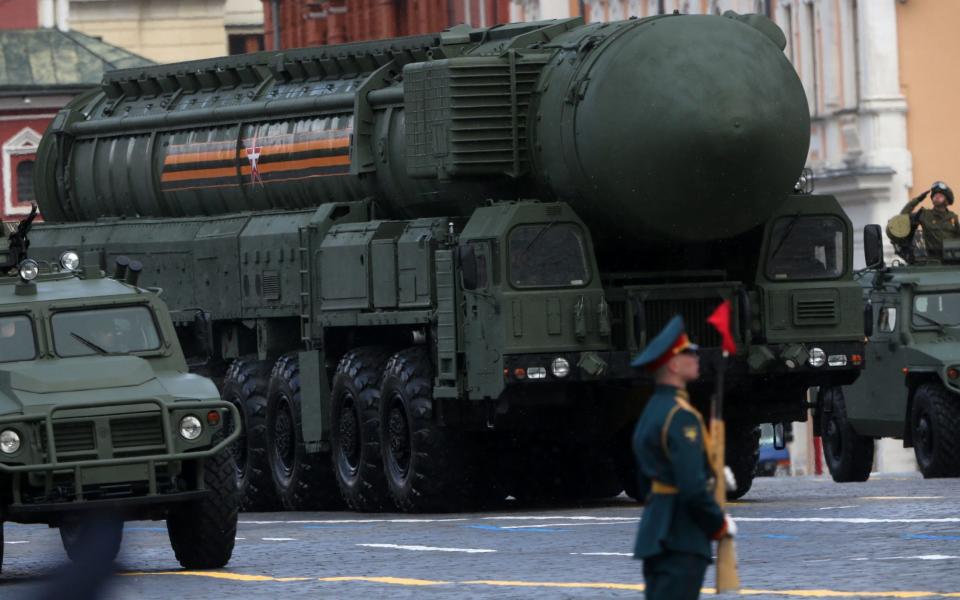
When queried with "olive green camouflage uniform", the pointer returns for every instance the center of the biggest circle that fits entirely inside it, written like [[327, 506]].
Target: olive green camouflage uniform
[[938, 224]]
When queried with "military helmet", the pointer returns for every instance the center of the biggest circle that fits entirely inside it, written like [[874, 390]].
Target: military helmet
[[940, 187]]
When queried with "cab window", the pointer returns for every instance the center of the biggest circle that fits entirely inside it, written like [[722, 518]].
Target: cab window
[[109, 330], [17, 340], [548, 255], [936, 310], [806, 247]]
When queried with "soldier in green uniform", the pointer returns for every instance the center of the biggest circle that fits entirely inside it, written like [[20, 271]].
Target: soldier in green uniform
[[939, 223], [680, 516]]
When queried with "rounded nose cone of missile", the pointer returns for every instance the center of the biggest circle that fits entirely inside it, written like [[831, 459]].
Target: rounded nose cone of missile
[[694, 128]]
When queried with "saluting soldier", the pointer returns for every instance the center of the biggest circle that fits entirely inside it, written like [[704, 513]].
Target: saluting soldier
[[680, 515], [939, 223]]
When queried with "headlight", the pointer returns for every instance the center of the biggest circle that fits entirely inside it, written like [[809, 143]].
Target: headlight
[[190, 428], [560, 367], [70, 261], [29, 269], [9, 441], [817, 357]]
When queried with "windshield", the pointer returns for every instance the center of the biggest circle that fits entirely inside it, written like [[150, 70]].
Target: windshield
[[17, 341], [114, 330], [548, 255], [934, 310], [806, 248]]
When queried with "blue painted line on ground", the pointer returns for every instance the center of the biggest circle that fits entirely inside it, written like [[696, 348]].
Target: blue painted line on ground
[[514, 529], [769, 536], [927, 536]]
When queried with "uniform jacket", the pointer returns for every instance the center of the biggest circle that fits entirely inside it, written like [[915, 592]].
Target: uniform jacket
[[938, 225], [675, 456]]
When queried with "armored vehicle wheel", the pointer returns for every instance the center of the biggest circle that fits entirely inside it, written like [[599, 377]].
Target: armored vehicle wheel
[[426, 467], [742, 449], [848, 455], [245, 386], [935, 420], [202, 533], [356, 431], [303, 481], [95, 539]]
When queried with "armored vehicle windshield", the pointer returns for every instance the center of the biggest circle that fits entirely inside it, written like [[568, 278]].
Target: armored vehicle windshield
[[108, 330], [940, 309], [17, 338], [807, 247]]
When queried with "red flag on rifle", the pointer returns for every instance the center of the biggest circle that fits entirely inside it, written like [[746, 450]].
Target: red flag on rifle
[[720, 319]]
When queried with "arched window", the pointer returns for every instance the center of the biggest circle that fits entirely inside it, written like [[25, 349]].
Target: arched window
[[25, 181]]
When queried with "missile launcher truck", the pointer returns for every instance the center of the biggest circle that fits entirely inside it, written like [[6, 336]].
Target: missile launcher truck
[[420, 265], [100, 421]]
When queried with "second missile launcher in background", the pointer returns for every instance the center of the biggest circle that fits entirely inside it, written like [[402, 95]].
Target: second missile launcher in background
[[416, 262]]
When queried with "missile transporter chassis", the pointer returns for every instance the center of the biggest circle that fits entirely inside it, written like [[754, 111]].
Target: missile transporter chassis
[[419, 266], [910, 388], [100, 421]]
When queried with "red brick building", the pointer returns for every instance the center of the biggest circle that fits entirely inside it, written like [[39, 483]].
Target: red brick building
[[317, 22], [40, 71]]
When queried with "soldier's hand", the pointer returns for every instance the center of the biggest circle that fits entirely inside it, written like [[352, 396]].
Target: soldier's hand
[[923, 195], [729, 526]]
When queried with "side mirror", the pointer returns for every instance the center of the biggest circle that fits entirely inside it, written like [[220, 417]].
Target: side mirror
[[868, 319], [873, 246], [469, 273]]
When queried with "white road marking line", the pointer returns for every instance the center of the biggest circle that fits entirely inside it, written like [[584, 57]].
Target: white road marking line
[[279, 539], [429, 548], [558, 518], [837, 507], [900, 498], [852, 520], [17, 542], [601, 554], [240, 539], [544, 525], [919, 557], [350, 521]]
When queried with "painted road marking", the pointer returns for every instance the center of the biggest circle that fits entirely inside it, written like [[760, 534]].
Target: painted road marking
[[404, 581], [601, 554], [851, 520], [17, 542], [428, 548], [901, 498], [837, 507], [920, 557], [514, 529], [279, 539], [340, 521], [927, 536]]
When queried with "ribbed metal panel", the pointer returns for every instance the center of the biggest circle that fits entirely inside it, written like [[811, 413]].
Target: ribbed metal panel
[[73, 436], [136, 431], [815, 312], [694, 312]]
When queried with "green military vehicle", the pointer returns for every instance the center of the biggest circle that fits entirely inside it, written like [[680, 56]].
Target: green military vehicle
[[910, 388], [423, 264], [100, 422]]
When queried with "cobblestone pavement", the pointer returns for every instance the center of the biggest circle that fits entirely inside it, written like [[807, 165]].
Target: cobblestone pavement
[[894, 536]]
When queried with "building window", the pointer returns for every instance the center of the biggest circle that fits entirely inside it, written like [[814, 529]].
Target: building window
[[244, 43], [25, 182]]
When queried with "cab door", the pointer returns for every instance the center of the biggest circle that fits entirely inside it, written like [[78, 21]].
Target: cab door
[[881, 411], [482, 323]]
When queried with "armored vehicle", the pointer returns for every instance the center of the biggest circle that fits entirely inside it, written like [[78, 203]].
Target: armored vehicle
[[910, 388], [100, 422], [422, 264]]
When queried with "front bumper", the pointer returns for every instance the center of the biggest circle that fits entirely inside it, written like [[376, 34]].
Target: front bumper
[[109, 461]]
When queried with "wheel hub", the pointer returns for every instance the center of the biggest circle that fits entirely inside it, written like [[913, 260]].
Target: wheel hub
[[399, 436]]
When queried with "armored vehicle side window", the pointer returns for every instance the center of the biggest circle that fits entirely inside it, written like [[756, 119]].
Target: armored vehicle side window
[[806, 248], [548, 255], [17, 341], [936, 310], [887, 321], [113, 330]]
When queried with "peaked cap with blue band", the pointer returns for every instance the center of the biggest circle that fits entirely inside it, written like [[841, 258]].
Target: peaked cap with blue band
[[671, 341]]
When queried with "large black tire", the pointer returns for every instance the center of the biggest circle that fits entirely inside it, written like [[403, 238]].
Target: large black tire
[[357, 462], [935, 420], [245, 386], [427, 468], [203, 533], [303, 481], [742, 453], [849, 456], [97, 539]]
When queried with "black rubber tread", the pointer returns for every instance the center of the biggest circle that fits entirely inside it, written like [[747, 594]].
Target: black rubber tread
[[97, 539], [742, 453], [438, 476], [203, 533], [245, 386], [849, 456], [307, 482], [357, 384], [941, 456]]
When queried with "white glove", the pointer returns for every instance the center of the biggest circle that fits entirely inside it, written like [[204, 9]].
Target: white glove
[[731, 526], [730, 479]]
